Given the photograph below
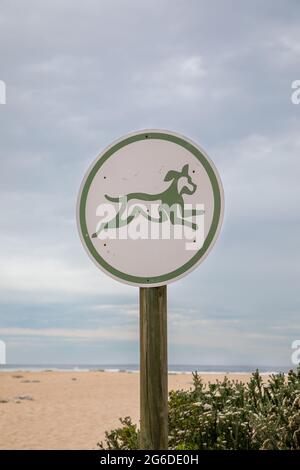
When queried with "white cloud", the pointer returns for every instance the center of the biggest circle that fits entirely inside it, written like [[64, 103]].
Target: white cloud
[[192, 67], [111, 333], [260, 175], [129, 310], [179, 77], [56, 278]]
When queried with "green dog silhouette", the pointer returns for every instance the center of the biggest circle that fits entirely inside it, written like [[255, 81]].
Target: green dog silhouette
[[170, 202]]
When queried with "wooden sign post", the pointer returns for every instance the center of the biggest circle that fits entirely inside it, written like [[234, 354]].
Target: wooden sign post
[[149, 210], [153, 368]]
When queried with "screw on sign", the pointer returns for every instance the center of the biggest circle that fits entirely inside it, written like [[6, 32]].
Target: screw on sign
[[149, 210]]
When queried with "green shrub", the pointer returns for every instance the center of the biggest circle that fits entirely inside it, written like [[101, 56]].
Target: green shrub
[[124, 438], [227, 415]]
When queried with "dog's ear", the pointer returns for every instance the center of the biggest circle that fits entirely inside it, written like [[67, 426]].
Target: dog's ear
[[172, 174], [185, 170]]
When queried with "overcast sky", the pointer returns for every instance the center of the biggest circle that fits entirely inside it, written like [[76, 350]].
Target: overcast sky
[[80, 74]]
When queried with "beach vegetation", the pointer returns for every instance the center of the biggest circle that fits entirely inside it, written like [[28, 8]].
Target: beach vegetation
[[227, 415]]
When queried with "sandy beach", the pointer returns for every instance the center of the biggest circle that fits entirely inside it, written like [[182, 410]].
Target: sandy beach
[[71, 410]]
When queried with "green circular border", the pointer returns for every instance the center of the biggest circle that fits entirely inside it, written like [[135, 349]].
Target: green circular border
[[213, 228]]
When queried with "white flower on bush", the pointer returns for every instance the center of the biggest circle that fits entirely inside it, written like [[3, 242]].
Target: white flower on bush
[[207, 407]]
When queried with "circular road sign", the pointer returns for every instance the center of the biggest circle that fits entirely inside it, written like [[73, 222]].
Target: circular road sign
[[150, 208]]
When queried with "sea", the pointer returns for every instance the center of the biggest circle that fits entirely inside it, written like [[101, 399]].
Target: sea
[[133, 368]]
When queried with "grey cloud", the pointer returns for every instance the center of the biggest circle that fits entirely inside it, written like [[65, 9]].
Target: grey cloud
[[79, 75]]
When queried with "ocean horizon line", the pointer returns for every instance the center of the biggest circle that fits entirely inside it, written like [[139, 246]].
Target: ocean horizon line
[[134, 368]]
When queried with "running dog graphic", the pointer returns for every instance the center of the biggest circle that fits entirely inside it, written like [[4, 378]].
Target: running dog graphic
[[170, 203]]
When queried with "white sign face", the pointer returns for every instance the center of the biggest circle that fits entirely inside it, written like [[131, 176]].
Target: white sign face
[[150, 208]]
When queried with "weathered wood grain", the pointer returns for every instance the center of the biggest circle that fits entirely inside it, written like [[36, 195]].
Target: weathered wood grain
[[153, 368]]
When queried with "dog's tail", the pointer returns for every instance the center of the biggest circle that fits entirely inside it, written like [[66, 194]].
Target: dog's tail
[[112, 199]]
